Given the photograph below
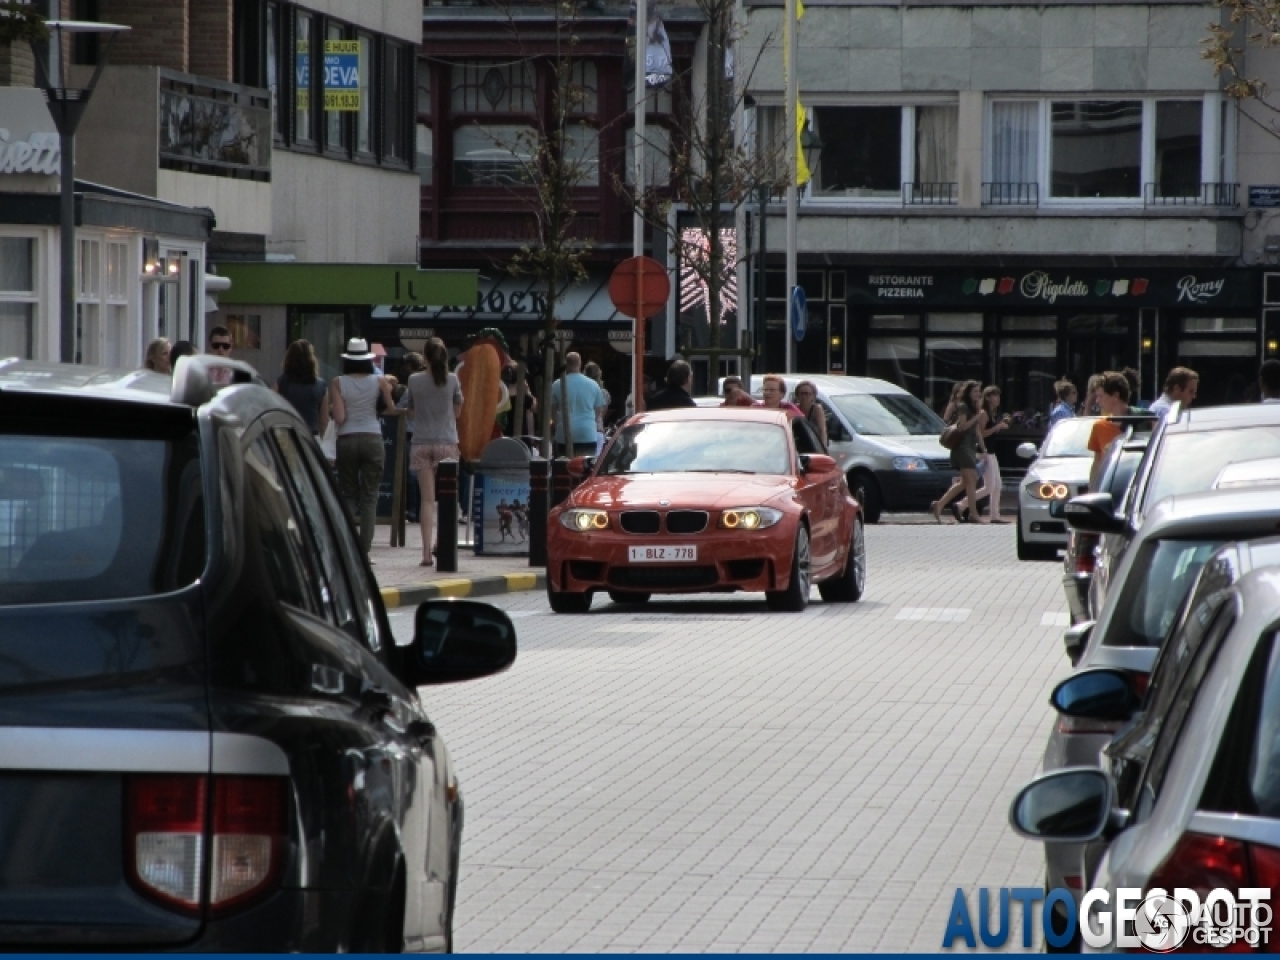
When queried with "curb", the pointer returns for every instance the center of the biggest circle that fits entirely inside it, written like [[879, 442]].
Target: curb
[[489, 586]]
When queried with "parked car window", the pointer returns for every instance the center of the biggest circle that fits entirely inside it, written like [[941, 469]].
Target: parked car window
[[358, 578], [276, 530], [1070, 438], [98, 518], [335, 592], [888, 414], [1191, 462], [1166, 722], [707, 446], [1245, 776], [1161, 578]]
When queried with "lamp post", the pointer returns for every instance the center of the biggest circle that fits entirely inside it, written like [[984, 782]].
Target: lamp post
[[67, 105]]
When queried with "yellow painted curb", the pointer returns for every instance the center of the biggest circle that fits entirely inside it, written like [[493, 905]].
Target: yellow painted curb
[[452, 588], [521, 581], [390, 597]]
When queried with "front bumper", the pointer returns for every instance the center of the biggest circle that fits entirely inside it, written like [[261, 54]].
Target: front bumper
[[1037, 526], [755, 562], [912, 489]]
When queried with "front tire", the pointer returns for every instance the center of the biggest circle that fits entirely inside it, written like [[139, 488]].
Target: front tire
[[567, 602], [796, 596], [852, 581], [619, 596], [866, 491]]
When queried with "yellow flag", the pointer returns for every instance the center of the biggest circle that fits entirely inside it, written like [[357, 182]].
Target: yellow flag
[[802, 168]]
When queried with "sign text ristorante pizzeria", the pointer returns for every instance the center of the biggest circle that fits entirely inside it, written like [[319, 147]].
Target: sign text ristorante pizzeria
[[1106, 287]]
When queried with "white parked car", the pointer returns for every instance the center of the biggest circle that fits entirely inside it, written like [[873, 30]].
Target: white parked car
[[1060, 471]]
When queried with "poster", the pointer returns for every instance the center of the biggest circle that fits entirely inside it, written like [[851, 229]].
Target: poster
[[342, 75], [500, 512]]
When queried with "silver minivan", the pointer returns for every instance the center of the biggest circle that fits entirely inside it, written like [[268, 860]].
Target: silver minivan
[[884, 438]]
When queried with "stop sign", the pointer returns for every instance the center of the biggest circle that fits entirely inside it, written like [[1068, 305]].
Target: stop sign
[[639, 287]]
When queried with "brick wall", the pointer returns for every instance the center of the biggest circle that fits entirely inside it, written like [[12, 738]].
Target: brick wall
[[17, 65], [160, 36], [210, 40]]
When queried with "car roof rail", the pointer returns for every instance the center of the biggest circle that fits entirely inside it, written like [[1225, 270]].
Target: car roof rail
[[196, 379]]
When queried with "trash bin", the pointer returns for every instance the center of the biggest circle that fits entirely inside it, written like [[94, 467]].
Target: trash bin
[[500, 499]]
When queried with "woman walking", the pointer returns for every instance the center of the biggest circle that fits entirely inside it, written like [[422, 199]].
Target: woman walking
[[353, 402], [300, 384], [435, 400], [991, 423], [966, 409], [806, 398]]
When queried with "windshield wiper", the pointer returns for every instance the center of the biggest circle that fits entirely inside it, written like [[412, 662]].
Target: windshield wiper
[[724, 470]]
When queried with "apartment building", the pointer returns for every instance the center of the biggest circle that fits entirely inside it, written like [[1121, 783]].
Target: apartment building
[[1015, 192], [292, 125]]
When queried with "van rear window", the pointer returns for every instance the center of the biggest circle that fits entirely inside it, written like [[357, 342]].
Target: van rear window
[[98, 518]]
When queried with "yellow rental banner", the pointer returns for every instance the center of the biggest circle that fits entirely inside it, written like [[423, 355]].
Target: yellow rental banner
[[342, 75]]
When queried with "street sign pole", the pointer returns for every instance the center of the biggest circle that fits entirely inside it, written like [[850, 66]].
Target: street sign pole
[[639, 288], [637, 223]]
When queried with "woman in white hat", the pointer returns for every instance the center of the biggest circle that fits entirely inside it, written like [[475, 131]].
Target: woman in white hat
[[353, 399]]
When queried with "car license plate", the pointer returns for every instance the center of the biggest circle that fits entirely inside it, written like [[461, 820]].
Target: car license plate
[[663, 554]]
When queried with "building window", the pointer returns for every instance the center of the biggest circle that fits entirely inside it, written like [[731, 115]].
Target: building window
[[1095, 148], [17, 296], [1015, 152], [492, 156], [657, 155], [495, 145], [425, 133], [1178, 148], [862, 152], [278, 112], [491, 87], [304, 122], [116, 331], [336, 136], [364, 116], [398, 104], [88, 307]]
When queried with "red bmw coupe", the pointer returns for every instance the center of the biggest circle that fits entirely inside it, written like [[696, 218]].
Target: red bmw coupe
[[703, 500]]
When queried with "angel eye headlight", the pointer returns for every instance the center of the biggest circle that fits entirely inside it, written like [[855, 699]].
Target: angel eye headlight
[[1049, 491], [585, 520], [749, 518]]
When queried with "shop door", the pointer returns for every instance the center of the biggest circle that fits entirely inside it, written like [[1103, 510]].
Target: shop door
[[953, 352], [893, 350], [1224, 351], [1099, 342]]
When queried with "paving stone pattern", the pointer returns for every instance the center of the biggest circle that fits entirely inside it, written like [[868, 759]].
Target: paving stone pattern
[[704, 775]]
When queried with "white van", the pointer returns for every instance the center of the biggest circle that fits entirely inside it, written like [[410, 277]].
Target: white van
[[885, 439]]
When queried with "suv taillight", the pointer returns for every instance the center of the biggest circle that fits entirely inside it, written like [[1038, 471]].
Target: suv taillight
[[169, 827], [1083, 550]]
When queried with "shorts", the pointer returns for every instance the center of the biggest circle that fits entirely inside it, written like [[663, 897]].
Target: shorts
[[426, 456]]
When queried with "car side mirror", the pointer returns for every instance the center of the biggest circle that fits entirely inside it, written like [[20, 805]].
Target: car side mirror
[[1093, 513], [816, 463], [1098, 694], [580, 466], [1076, 637], [456, 640], [1066, 806], [1027, 451]]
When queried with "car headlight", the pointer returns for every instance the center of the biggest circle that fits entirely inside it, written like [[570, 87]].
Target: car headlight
[[749, 518], [910, 463], [1045, 490], [584, 520]]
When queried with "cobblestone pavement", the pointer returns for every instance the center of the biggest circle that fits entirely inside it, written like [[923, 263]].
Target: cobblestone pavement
[[703, 775]]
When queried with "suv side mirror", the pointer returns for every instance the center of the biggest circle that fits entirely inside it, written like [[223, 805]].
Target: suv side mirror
[[816, 463], [1027, 451], [457, 640], [1099, 694], [1066, 806], [1094, 513], [1076, 637]]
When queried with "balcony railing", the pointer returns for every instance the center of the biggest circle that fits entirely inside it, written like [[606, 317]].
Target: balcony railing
[[930, 194], [997, 194], [211, 127], [1191, 195]]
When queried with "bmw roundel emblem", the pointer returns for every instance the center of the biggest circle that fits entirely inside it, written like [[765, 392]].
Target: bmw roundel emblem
[[664, 503]]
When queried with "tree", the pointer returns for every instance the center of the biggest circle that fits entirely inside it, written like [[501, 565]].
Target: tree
[[714, 171], [1248, 23]]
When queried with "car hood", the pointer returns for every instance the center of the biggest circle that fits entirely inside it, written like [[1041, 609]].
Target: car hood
[[1061, 469], [909, 446], [706, 491]]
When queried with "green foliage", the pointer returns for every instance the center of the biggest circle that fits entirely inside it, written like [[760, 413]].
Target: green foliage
[[21, 23]]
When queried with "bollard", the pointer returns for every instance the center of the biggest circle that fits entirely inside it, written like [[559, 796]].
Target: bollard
[[538, 512], [446, 516], [561, 482]]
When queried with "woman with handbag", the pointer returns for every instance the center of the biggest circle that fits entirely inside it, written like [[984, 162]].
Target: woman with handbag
[[961, 437], [991, 423], [353, 403]]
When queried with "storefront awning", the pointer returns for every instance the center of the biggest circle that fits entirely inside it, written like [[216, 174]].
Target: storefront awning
[[345, 284], [516, 302]]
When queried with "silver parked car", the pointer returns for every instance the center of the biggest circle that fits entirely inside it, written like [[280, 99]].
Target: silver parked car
[[884, 438], [1149, 589], [1189, 795], [1060, 470]]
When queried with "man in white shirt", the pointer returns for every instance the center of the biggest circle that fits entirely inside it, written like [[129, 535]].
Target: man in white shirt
[[1180, 386]]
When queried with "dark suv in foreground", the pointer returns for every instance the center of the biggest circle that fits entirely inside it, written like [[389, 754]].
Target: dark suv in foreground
[[208, 737]]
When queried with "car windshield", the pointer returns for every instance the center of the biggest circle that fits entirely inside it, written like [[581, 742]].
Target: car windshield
[[1191, 462], [1070, 438], [888, 414], [98, 519], [1162, 576], [704, 446]]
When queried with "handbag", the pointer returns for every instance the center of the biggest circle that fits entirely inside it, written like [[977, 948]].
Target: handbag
[[951, 436], [329, 443]]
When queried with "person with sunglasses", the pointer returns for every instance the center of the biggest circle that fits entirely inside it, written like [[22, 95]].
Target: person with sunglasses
[[220, 346]]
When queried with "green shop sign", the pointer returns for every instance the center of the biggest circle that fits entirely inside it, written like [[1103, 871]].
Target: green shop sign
[[349, 284]]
